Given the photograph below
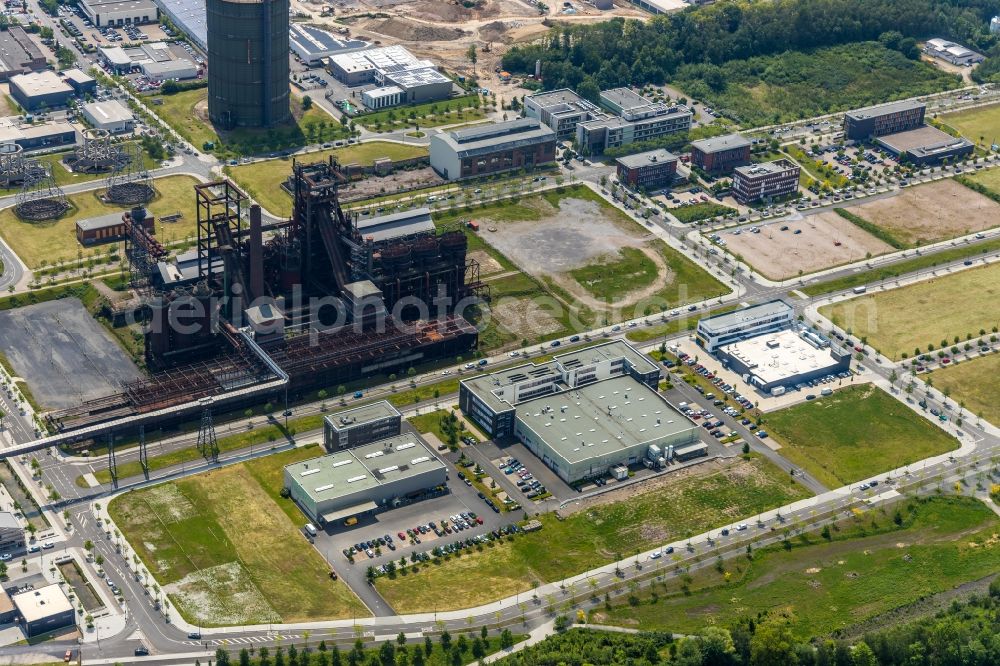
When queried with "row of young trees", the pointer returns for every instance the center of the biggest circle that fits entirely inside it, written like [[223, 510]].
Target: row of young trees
[[446, 651], [631, 52]]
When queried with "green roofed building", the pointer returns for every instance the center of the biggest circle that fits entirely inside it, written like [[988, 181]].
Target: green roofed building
[[365, 479], [582, 413]]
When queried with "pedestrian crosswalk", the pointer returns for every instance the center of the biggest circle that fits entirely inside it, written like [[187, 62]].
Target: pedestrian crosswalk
[[245, 640]]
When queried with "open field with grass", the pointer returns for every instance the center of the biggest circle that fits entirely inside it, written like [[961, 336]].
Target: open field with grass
[[262, 180], [603, 530], [869, 567], [40, 243], [929, 313], [987, 178], [699, 211], [973, 383], [980, 125], [605, 261], [856, 433], [265, 436], [225, 551], [800, 84], [432, 114], [187, 112], [929, 213], [904, 267]]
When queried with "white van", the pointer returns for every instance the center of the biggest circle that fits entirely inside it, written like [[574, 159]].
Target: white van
[[310, 529]]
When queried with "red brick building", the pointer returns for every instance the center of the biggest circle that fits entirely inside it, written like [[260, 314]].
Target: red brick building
[[517, 144], [720, 154], [651, 170]]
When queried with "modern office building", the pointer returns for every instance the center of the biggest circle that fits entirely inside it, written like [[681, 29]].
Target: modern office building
[[583, 413], [514, 144], [721, 154], [385, 97], [157, 60], [19, 54], [37, 137], [11, 533], [882, 119], [361, 425], [363, 480], [399, 76], [650, 170], [112, 116], [951, 52], [43, 610], [120, 12], [722, 329], [772, 362], [626, 117], [40, 90], [635, 119], [248, 62], [81, 82], [314, 45], [562, 110], [925, 145], [765, 181]]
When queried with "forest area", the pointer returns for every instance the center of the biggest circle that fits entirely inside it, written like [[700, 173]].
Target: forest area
[[965, 634], [769, 61]]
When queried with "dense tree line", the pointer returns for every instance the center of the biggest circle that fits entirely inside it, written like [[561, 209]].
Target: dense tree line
[[966, 634], [631, 52]]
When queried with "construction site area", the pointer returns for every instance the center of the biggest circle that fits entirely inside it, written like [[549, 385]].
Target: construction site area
[[257, 312], [444, 31]]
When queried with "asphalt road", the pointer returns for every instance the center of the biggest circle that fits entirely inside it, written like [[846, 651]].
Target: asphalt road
[[170, 643]]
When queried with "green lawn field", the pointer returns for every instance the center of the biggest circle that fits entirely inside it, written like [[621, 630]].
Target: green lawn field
[[432, 114], [227, 550], [857, 432], [980, 125], [262, 180], [988, 178], [973, 383], [930, 312], [870, 567], [186, 112], [40, 243], [595, 536]]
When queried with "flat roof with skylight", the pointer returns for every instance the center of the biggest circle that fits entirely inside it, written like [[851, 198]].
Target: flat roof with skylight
[[363, 468], [778, 356], [608, 418]]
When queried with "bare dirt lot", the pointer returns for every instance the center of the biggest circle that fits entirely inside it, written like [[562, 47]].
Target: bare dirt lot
[[373, 186], [548, 247], [525, 317], [826, 240], [443, 30], [928, 213]]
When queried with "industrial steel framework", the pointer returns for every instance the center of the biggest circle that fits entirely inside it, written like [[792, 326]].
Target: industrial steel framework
[[129, 182], [142, 251], [14, 165], [96, 154], [143, 453], [208, 444], [40, 198], [112, 463], [220, 209]]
